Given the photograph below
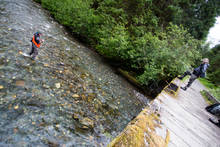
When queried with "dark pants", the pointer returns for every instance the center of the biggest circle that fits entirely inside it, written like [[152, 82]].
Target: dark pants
[[34, 51], [192, 78]]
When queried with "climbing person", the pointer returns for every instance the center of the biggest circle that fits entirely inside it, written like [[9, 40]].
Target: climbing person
[[197, 72], [36, 43]]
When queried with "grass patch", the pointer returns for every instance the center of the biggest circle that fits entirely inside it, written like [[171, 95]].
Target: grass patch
[[203, 93], [212, 88], [185, 78]]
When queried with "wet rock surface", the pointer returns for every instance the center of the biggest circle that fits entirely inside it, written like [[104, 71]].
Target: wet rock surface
[[68, 96]]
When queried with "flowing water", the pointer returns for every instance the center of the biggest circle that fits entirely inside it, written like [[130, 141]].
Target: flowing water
[[68, 97]]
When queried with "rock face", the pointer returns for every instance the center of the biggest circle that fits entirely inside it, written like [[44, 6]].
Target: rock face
[[20, 83], [83, 122], [143, 131], [87, 123], [57, 85], [67, 92]]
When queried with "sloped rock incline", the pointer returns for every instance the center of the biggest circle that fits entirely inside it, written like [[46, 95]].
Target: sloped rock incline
[[68, 96]]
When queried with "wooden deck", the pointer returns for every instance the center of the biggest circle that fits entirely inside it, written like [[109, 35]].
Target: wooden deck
[[173, 121], [187, 120]]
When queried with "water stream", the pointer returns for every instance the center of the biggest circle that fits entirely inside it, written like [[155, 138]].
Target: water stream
[[68, 96]]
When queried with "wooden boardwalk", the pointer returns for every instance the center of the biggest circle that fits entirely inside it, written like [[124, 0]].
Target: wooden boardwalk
[[182, 122], [187, 120]]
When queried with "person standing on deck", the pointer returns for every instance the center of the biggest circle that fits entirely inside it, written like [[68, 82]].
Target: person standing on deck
[[197, 72], [36, 43]]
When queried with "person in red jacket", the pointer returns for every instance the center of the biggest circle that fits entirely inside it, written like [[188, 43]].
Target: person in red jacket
[[36, 43]]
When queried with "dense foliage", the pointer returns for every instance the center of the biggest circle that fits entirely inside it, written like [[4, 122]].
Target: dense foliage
[[145, 36], [198, 16], [214, 69]]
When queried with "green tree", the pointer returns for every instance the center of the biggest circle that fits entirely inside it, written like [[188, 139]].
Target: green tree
[[214, 69], [168, 54], [198, 16], [152, 39]]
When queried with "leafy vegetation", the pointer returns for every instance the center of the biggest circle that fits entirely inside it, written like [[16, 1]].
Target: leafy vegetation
[[214, 70], [153, 40], [198, 16], [212, 88], [212, 81], [205, 96]]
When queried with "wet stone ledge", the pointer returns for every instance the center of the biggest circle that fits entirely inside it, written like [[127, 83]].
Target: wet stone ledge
[[145, 130]]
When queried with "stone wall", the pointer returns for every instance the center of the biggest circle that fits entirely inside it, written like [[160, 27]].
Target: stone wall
[[145, 130]]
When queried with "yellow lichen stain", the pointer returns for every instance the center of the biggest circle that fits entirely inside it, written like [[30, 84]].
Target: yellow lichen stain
[[141, 130], [167, 140], [1, 87], [91, 97]]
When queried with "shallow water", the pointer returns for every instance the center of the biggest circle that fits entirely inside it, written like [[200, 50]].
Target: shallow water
[[68, 96]]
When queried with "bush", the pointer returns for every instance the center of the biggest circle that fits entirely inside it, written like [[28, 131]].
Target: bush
[[165, 55]]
